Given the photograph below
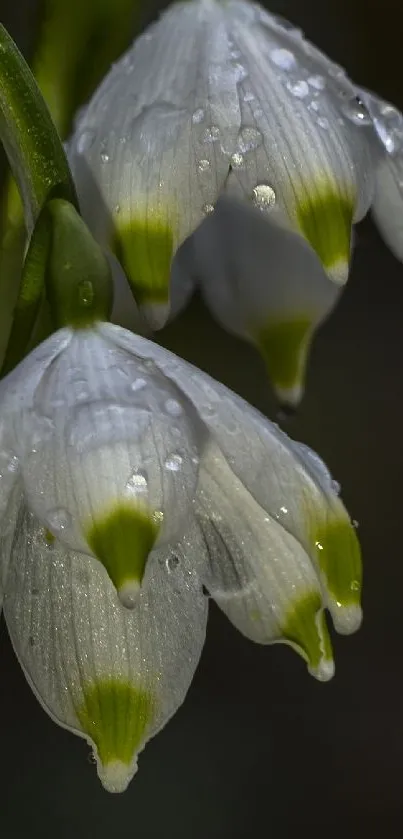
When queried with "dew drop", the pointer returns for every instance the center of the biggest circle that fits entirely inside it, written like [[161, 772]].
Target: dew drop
[[211, 134], [336, 487], [173, 408], [241, 73], [208, 209], [138, 384], [59, 519], [117, 209], [355, 524], [300, 89], [355, 585], [263, 197], [172, 562], [158, 516], [137, 483], [283, 58], [237, 160], [86, 292], [85, 141], [203, 165], [355, 110], [105, 157], [198, 116], [323, 122], [174, 462], [318, 82], [314, 106], [249, 138], [248, 97]]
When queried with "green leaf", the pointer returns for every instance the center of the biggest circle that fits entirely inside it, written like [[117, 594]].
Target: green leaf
[[32, 144]]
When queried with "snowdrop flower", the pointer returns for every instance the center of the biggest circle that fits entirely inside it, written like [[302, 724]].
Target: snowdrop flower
[[122, 464], [108, 674], [223, 122]]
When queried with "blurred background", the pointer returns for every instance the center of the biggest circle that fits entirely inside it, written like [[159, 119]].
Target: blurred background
[[259, 748]]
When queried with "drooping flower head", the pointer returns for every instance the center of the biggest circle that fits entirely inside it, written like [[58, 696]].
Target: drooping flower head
[[223, 120], [130, 480]]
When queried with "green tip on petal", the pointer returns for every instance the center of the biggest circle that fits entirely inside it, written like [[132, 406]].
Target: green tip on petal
[[122, 540], [325, 218], [305, 630], [145, 248], [284, 347], [339, 559], [115, 715]]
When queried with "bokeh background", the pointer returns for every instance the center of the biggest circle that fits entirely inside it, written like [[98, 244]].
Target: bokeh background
[[259, 748]]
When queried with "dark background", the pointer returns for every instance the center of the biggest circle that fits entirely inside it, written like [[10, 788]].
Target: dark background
[[259, 748]]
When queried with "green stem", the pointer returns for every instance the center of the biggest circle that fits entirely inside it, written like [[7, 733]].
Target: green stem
[[32, 144]]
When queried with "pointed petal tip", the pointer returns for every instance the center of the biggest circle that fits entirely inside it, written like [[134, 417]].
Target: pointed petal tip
[[155, 314], [128, 593], [290, 397], [346, 619], [324, 671], [115, 776]]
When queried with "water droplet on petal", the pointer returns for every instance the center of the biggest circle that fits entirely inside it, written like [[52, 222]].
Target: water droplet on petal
[[86, 292], [211, 134], [356, 111], [137, 483], [203, 165], [323, 122], [174, 462], [249, 138], [208, 209], [336, 487], [283, 58], [237, 160], [85, 141], [59, 519], [240, 72], [172, 562], [248, 97], [318, 82], [173, 407], [105, 157], [138, 384], [300, 89], [355, 585], [263, 197], [198, 116]]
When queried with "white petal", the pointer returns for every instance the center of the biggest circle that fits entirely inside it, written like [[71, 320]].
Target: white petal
[[387, 208], [109, 455], [112, 676], [266, 284], [153, 148], [283, 478], [303, 134], [260, 576]]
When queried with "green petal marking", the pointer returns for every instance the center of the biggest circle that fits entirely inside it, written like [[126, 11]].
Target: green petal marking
[[116, 716], [325, 219], [122, 540], [145, 246], [284, 346], [305, 629], [339, 558]]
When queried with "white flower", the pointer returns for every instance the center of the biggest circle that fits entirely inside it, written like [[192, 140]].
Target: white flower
[[221, 105], [120, 465]]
